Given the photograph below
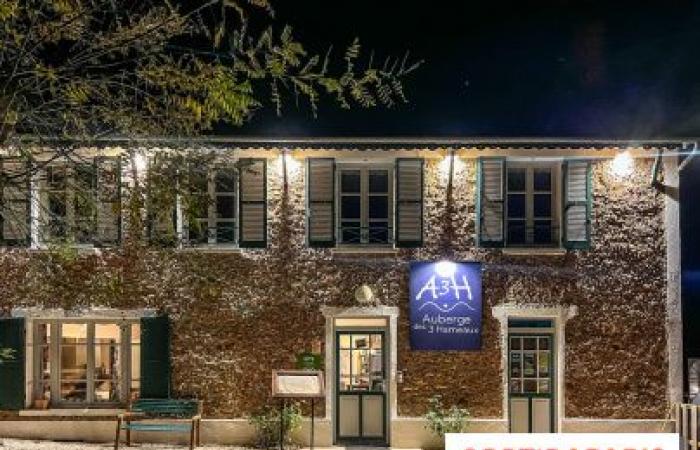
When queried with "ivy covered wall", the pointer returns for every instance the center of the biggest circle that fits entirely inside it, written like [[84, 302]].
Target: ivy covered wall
[[238, 315]]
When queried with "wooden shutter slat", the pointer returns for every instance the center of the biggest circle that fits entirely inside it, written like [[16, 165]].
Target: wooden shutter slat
[[409, 202], [108, 200], [576, 204], [491, 201], [14, 203], [12, 336], [161, 201], [155, 357], [253, 213], [321, 208]]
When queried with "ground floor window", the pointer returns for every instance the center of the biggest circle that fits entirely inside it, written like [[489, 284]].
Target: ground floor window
[[79, 362]]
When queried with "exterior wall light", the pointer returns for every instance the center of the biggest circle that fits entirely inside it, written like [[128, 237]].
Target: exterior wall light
[[140, 163], [622, 165], [446, 269]]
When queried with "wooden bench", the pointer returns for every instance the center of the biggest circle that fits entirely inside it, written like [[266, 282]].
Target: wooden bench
[[161, 415]]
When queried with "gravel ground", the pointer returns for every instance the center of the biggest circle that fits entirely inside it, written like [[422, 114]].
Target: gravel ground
[[16, 444]]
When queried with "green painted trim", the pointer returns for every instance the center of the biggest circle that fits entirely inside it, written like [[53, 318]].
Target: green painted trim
[[359, 440], [413, 243], [577, 245], [311, 242], [246, 243], [156, 367], [12, 374], [26, 242], [530, 396], [480, 242]]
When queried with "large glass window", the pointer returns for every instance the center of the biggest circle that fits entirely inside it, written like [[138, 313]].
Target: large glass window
[[79, 203], [90, 362], [210, 206], [531, 206], [365, 195]]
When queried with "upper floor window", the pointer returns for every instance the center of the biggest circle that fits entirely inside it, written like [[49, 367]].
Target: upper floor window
[[523, 204], [532, 207], [365, 204], [210, 203], [365, 198], [79, 203], [211, 207]]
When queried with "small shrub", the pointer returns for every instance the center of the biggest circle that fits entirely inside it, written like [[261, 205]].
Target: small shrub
[[443, 420], [267, 425], [6, 354]]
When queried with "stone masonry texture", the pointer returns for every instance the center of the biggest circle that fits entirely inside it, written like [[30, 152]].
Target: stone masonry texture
[[237, 316]]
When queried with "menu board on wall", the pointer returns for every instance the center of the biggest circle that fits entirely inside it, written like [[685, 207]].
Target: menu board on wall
[[445, 303]]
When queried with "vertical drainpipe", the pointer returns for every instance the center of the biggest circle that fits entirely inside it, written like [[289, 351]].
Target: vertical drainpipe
[[674, 319], [284, 169]]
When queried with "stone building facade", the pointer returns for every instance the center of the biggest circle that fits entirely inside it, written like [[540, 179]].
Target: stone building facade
[[238, 313]]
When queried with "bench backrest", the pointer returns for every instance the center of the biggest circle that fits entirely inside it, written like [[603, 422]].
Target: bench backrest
[[166, 407]]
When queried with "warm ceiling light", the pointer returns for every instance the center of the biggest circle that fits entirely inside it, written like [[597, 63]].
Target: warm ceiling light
[[622, 165]]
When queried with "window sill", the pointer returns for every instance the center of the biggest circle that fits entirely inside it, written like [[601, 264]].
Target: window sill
[[534, 251], [365, 252], [210, 249], [72, 412]]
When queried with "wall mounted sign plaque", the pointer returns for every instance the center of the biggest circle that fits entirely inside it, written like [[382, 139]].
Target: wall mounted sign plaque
[[297, 384]]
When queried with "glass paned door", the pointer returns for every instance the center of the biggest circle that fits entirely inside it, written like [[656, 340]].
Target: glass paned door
[[74, 362], [361, 387], [530, 383]]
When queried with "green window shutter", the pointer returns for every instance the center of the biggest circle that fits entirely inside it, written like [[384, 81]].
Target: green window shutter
[[108, 200], [577, 204], [321, 197], [253, 203], [14, 203], [409, 202], [490, 201], [155, 357], [12, 369], [161, 200]]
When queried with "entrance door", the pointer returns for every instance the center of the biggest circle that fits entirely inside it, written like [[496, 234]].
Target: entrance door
[[531, 383], [361, 387]]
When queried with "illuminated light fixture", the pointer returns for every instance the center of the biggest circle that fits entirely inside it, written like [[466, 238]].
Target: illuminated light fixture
[[622, 165], [140, 163], [446, 269]]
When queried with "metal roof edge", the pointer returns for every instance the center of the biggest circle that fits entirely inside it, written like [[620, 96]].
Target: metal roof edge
[[388, 142]]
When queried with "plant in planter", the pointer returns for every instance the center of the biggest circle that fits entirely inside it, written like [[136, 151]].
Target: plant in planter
[[267, 425], [442, 420], [41, 403]]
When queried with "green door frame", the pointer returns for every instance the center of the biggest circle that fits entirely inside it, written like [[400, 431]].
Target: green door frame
[[359, 440], [530, 396]]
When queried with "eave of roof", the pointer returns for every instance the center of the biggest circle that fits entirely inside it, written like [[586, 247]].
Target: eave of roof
[[388, 143]]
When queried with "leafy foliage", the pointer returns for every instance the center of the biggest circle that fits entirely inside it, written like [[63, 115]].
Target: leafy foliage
[[443, 420], [267, 425], [77, 69], [6, 354], [72, 71]]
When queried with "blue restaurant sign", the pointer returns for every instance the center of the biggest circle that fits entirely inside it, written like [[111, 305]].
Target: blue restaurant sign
[[445, 305]]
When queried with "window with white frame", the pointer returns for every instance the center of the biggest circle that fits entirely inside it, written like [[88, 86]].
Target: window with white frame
[[79, 203], [86, 362], [365, 197], [532, 204], [210, 206]]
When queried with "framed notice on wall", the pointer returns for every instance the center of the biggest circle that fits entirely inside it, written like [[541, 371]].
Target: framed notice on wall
[[297, 383]]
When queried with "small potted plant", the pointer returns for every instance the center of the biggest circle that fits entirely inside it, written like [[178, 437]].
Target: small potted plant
[[41, 403], [442, 420]]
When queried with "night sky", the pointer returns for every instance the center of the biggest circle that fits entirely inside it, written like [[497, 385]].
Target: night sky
[[576, 68], [625, 69]]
